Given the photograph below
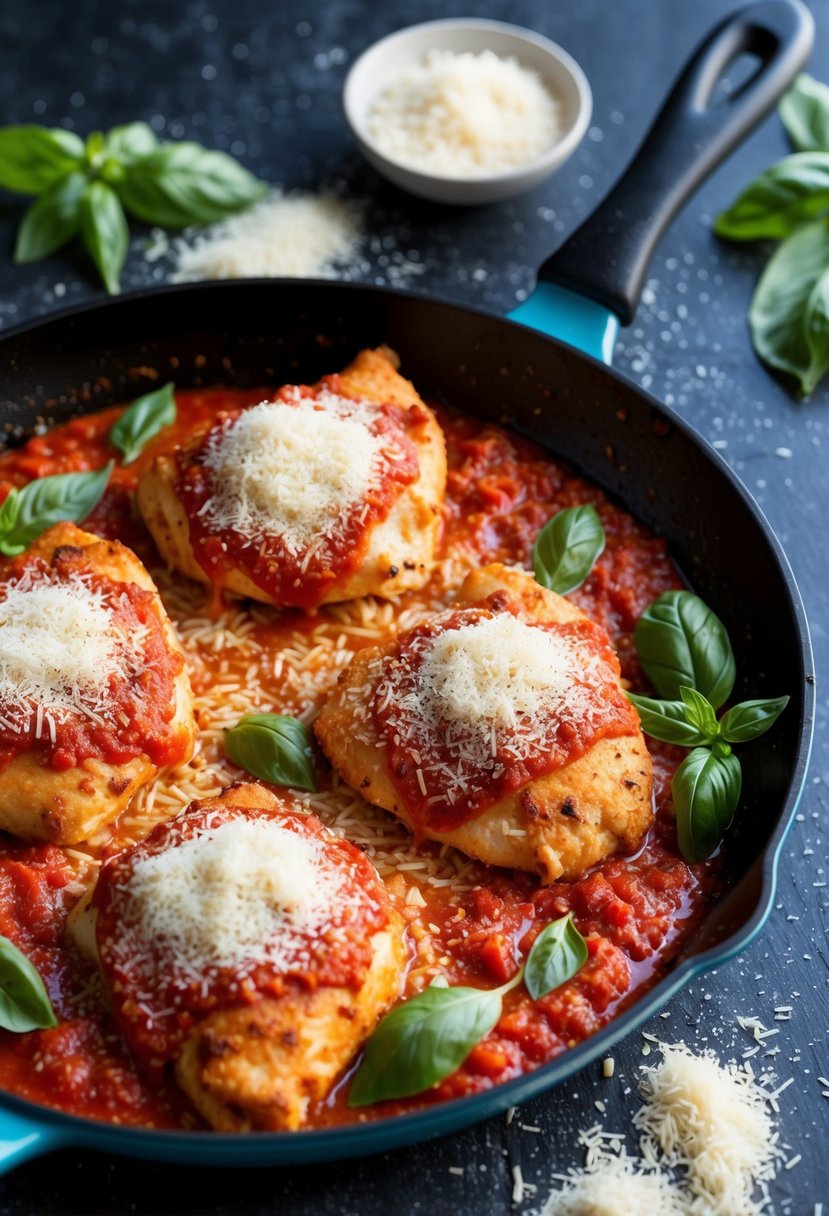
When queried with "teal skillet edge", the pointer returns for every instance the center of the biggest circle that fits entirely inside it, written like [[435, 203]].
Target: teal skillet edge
[[28, 1130]]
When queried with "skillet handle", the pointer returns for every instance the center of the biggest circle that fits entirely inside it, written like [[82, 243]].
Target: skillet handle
[[607, 258], [22, 1137]]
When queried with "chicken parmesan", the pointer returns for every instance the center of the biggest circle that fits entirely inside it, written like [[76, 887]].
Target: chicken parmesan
[[248, 947], [94, 696], [499, 727], [320, 494]]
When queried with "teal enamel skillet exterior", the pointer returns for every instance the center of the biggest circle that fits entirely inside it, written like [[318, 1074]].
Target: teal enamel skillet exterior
[[779, 32]]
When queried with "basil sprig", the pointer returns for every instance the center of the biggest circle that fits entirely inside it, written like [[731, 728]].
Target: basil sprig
[[84, 188], [27, 512], [686, 654], [275, 748], [428, 1037], [24, 1001], [142, 421], [567, 548], [789, 202]]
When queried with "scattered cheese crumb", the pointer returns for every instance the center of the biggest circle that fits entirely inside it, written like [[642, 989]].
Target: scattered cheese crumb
[[608, 1067]]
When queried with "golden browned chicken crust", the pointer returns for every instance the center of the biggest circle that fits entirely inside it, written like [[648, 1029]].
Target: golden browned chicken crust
[[401, 547], [40, 803], [571, 818]]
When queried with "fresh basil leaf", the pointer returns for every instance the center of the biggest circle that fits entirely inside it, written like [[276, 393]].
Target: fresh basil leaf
[[130, 143], [182, 183], [422, 1041], [24, 1001], [706, 789], [556, 955], [790, 309], [777, 202], [52, 220], [105, 232], [667, 721], [751, 718], [8, 511], [275, 748], [699, 712], [142, 421], [32, 158], [681, 641], [47, 501], [805, 113], [567, 548]]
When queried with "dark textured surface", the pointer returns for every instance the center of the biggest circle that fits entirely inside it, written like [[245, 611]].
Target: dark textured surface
[[264, 82]]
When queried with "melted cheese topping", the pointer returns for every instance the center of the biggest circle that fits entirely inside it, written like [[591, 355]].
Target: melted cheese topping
[[59, 650], [292, 469], [243, 893]]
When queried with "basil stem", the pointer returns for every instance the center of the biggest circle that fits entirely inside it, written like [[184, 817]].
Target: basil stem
[[681, 642], [567, 548], [28, 512], [142, 421], [706, 789], [275, 748], [24, 1001]]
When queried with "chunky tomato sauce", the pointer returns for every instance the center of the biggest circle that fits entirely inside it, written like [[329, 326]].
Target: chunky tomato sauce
[[299, 576], [426, 763], [637, 913]]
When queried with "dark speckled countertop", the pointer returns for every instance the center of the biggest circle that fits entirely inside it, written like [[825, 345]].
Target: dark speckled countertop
[[263, 81]]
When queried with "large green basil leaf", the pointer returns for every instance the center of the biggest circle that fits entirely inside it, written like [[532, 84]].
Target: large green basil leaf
[[556, 955], [681, 642], [105, 232], [24, 1001], [805, 113], [275, 748], [52, 220], [706, 789], [567, 548], [32, 157], [751, 718], [777, 202], [47, 501], [667, 721], [422, 1041], [142, 421], [182, 183]]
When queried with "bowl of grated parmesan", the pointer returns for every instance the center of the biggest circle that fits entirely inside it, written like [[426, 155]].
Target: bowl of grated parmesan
[[466, 111]]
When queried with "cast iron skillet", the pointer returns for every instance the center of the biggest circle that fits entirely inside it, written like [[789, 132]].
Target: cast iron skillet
[[612, 432]]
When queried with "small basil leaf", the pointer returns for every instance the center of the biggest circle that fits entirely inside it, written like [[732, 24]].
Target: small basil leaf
[[699, 712], [567, 548], [805, 113], [275, 748], [667, 721], [105, 232], [182, 183], [788, 314], [423, 1041], [681, 641], [787, 195], [557, 954], [142, 421], [130, 143], [750, 719], [52, 220], [32, 158], [706, 789], [8, 511], [24, 1001], [47, 501]]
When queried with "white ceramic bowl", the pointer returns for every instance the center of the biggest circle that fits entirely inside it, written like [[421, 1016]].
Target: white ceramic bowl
[[384, 62]]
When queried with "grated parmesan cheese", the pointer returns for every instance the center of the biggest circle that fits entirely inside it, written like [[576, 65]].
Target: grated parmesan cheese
[[616, 1187], [465, 116], [243, 893], [59, 650], [292, 469], [284, 236]]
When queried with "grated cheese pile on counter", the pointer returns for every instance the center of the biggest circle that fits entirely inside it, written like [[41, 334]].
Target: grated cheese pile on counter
[[465, 116], [242, 893], [708, 1147], [59, 650], [292, 470], [284, 236]]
